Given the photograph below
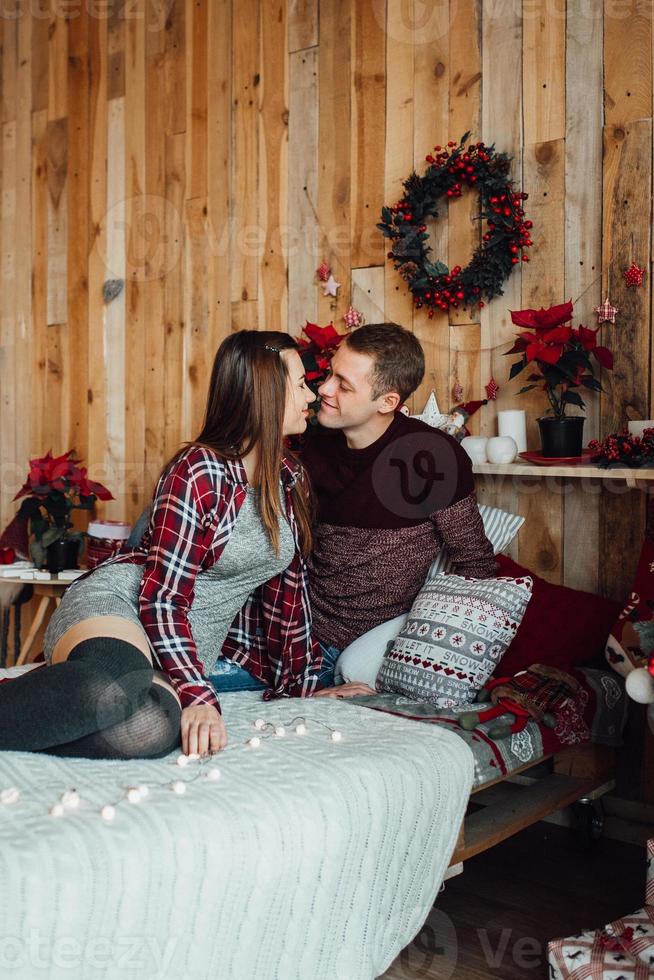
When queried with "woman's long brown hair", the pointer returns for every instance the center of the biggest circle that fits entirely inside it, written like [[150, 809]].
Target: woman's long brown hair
[[245, 409]]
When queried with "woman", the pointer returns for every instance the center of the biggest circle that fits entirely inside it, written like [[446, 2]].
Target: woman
[[220, 570]]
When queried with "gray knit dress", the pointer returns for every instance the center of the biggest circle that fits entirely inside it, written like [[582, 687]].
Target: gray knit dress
[[247, 561]]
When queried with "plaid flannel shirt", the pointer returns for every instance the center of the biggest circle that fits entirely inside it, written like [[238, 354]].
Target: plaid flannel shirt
[[194, 510]]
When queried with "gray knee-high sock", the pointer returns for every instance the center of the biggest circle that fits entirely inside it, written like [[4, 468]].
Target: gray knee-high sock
[[101, 684], [150, 733]]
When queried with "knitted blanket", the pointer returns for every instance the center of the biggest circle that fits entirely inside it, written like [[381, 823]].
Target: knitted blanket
[[309, 856]]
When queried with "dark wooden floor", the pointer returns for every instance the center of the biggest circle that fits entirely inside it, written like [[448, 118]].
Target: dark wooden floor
[[495, 919]]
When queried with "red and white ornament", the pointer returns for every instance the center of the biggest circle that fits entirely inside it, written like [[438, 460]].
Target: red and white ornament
[[353, 318], [633, 276], [606, 312], [492, 389], [323, 272], [457, 391]]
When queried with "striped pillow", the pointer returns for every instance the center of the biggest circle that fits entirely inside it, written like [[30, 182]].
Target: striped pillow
[[500, 527]]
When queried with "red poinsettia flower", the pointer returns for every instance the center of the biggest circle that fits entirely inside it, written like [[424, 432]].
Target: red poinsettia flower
[[588, 340], [542, 319], [560, 353], [61, 473], [325, 338]]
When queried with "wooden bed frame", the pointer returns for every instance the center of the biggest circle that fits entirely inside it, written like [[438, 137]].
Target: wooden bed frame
[[517, 801]]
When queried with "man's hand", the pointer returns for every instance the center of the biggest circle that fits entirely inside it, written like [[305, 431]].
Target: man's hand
[[350, 690], [203, 730]]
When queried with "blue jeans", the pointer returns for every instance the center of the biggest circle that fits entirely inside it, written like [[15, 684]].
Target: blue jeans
[[232, 677]]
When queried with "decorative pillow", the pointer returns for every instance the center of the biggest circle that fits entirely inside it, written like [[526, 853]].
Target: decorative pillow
[[457, 632], [501, 528], [361, 659], [631, 640], [562, 627]]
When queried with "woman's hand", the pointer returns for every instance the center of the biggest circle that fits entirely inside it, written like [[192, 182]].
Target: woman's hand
[[203, 730], [350, 690]]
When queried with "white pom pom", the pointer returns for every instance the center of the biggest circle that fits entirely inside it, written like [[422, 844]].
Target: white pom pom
[[9, 796], [134, 795], [183, 760], [259, 724], [213, 775], [301, 729], [108, 812], [178, 787], [280, 731], [336, 736], [640, 686], [144, 791], [255, 742], [70, 799], [56, 810]]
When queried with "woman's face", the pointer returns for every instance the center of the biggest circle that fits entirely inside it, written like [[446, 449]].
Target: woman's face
[[298, 395]]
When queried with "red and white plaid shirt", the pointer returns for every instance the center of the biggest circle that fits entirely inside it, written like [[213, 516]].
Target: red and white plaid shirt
[[194, 510]]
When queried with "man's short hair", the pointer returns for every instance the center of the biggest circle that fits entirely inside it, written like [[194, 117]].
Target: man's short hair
[[397, 354]]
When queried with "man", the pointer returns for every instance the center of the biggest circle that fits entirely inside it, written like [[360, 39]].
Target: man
[[390, 491]]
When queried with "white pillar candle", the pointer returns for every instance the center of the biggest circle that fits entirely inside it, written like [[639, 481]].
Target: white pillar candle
[[513, 423], [638, 427]]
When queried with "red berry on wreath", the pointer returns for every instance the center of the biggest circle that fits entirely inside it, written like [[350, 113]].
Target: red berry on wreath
[[514, 260], [451, 143], [525, 258], [528, 224], [437, 148], [460, 295]]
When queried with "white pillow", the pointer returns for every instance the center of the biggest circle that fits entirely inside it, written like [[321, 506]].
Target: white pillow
[[361, 660], [500, 527]]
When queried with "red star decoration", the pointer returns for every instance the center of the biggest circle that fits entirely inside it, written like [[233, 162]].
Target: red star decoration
[[492, 389], [353, 318], [323, 272], [633, 276]]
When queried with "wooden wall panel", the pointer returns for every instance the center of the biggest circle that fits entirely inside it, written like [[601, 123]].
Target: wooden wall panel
[[209, 155]]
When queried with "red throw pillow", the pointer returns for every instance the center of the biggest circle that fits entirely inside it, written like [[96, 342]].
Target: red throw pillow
[[561, 627]]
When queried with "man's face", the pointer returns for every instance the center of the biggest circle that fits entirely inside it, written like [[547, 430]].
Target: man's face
[[346, 395]]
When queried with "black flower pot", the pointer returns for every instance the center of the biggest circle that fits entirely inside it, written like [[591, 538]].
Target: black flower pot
[[61, 555], [562, 436]]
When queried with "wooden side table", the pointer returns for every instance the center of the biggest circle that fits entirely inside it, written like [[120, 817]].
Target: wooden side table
[[50, 594]]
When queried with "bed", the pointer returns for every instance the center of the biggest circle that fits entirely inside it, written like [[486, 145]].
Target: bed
[[311, 855], [530, 775]]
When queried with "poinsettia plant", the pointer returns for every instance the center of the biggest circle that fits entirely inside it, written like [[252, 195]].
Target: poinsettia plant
[[316, 351], [559, 355], [55, 486]]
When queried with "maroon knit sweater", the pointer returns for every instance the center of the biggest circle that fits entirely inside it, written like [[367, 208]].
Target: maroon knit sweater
[[383, 514]]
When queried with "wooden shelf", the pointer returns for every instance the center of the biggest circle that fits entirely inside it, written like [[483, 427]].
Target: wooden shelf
[[634, 478]]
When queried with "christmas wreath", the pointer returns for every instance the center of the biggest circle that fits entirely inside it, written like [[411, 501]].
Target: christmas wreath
[[508, 233]]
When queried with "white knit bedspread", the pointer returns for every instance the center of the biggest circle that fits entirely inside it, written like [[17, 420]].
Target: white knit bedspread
[[308, 859]]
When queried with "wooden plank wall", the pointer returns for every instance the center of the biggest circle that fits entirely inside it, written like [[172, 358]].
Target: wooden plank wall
[[209, 154]]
